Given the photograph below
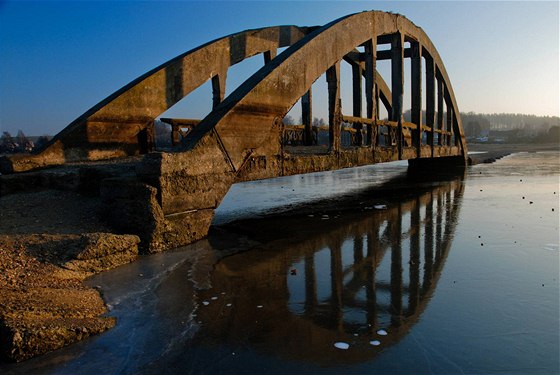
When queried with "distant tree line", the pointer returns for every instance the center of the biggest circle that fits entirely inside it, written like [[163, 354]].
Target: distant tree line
[[21, 143], [509, 127], [506, 127], [289, 120], [502, 127]]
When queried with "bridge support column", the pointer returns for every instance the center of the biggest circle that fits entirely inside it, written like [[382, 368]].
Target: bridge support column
[[416, 94], [370, 48], [218, 88], [397, 84], [449, 119], [333, 81], [269, 55], [357, 73], [433, 164], [430, 98], [176, 195], [307, 117], [440, 110]]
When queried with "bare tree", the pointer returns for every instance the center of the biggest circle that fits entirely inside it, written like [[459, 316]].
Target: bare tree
[[318, 121], [288, 120], [25, 145], [42, 141]]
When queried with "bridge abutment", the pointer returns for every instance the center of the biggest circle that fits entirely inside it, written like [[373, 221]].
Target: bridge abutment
[[431, 163], [171, 201]]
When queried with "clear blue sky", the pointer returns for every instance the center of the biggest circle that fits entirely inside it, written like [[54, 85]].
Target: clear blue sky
[[57, 59]]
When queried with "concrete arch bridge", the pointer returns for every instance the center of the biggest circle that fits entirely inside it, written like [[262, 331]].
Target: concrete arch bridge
[[172, 195]]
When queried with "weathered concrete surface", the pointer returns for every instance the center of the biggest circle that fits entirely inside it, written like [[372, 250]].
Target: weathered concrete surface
[[244, 120], [43, 303], [241, 139], [80, 177], [130, 206], [169, 200]]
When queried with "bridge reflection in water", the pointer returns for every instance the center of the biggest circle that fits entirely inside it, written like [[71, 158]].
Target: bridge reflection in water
[[295, 299]]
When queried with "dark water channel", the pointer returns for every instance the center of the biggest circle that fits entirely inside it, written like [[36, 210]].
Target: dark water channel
[[451, 275]]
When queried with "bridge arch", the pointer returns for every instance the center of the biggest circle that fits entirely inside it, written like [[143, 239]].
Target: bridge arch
[[241, 138], [245, 120]]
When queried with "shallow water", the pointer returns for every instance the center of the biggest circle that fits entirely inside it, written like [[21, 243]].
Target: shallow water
[[456, 276]]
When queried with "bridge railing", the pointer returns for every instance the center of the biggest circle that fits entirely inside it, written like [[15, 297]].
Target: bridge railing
[[384, 133]]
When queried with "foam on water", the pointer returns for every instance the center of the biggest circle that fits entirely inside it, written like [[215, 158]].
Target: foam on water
[[341, 345]]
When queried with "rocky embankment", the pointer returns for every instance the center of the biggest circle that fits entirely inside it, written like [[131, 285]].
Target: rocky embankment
[[45, 305], [50, 241]]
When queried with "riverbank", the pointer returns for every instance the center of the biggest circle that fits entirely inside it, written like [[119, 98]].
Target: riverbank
[[50, 241], [489, 153]]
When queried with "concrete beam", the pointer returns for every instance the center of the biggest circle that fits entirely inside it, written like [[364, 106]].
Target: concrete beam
[[307, 117], [357, 73], [440, 110], [371, 103], [397, 85], [430, 98], [218, 88], [333, 83], [416, 94]]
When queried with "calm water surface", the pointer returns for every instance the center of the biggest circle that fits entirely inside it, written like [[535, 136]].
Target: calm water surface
[[451, 277]]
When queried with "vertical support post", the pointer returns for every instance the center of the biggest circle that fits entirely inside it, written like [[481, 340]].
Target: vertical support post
[[218, 88], [430, 99], [370, 50], [440, 110], [416, 93], [357, 73], [449, 120], [375, 136], [306, 117], [397, 85], [456, 130], [175, 137], [146, 138], [269, 55], [333, 81]]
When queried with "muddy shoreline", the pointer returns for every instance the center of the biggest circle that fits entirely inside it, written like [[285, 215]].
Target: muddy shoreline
[[489, 153], [50, 241]]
